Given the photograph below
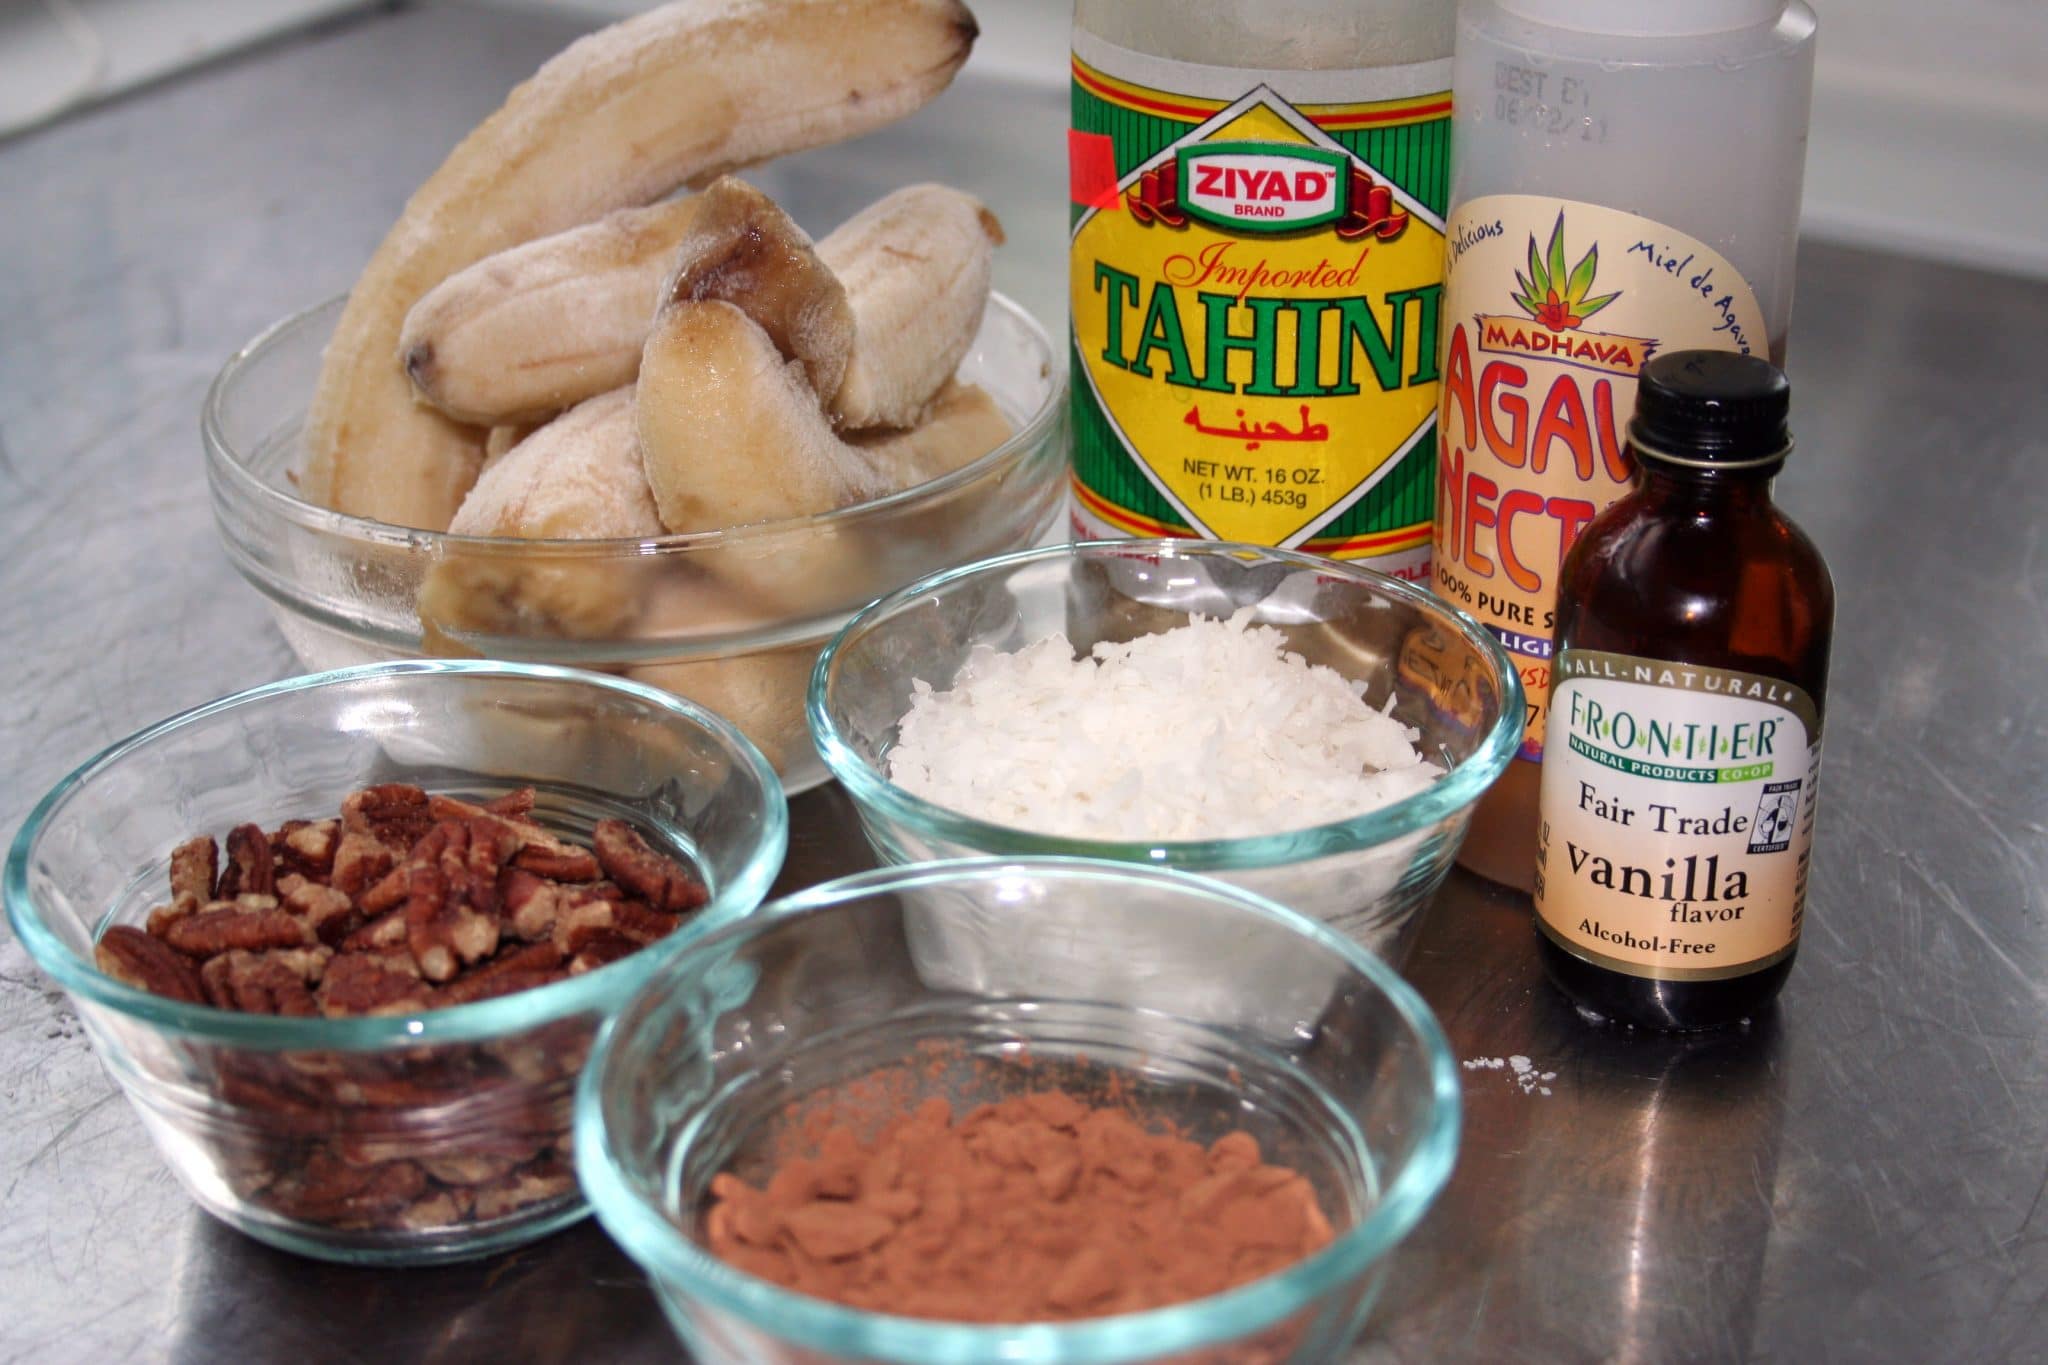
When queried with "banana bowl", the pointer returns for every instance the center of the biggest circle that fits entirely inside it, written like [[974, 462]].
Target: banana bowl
[[732, 620]]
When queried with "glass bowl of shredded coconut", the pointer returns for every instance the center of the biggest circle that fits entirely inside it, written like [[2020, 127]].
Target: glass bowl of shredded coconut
[[1301, 727]]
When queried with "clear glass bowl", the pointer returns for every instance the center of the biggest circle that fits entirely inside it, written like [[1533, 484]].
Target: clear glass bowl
[[732, 619], [346, 1139], [1368, 876], [1212, 1008]]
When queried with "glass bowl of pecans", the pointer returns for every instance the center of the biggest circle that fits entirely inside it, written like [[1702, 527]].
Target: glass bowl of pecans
[[345, 940]]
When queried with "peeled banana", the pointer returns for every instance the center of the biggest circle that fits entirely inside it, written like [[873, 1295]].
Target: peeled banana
[[730, 424], [536, 329], [618, 118], [577, 478], [961, 424], [516, 333], [916, 268], [745, 250]]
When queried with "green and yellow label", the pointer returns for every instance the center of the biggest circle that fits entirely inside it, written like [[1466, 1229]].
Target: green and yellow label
[[1257, 281]]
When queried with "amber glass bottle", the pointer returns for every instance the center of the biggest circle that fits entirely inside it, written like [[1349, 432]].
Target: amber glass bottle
[[1678, 786]]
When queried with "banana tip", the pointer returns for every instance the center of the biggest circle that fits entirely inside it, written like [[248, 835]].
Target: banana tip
[[419, 363]]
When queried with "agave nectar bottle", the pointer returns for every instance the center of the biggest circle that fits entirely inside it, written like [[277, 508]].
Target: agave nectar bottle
[[1626, 179], [1258, 190]]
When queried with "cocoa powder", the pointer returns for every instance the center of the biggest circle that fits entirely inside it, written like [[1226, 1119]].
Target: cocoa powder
[[1038, 1208]]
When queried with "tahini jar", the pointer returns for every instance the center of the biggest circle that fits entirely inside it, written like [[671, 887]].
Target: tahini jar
[[1258, 189], [1625, 182]]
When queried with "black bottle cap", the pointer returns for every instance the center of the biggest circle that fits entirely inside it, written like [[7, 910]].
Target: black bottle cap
[[1712, 410]]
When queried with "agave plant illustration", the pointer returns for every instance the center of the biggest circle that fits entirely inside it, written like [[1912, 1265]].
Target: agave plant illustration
[[1554, 295]]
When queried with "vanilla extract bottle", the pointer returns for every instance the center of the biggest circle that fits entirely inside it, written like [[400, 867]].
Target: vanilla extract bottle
[[1678, 791]]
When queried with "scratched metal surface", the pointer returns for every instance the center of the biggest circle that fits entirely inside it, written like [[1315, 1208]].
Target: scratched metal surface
[[1859, 1179]]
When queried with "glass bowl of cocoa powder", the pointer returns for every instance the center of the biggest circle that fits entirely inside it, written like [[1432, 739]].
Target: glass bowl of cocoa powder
[[353, 1027], [1175, 1121]]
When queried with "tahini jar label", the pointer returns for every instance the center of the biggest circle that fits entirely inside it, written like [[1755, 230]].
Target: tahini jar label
[[1678, 805], [1550, 309], [1256, 276]]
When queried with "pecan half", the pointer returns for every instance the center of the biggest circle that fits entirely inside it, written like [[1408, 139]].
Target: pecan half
[[195, 865], [633, 921], [532, 1184], [251, 868], [563, 864], [654, 877], [371, 983], [442, 931], [359, 860], [395, 814], [513, 805], [328, 913], [329, 1190], [252, 923], [381, 934], [265, 983], [182, 906], [130, 955], [528, 903], [511, 971], [306, 847]]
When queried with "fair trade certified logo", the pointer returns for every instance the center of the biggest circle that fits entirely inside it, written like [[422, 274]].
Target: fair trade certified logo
[[1263, 186]]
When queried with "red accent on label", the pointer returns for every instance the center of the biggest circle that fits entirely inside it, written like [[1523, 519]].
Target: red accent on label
[[1371, 211], [1156, 197], [1091, 169]]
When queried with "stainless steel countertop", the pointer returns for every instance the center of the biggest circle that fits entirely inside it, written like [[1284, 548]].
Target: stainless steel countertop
[[1860, 1178]]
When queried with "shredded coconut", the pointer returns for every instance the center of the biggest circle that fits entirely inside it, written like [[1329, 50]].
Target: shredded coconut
[[1525, 1073], [1212, 730]]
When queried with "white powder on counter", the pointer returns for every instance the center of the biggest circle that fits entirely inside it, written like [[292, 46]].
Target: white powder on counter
[[1525, 1074], [1212, 730]]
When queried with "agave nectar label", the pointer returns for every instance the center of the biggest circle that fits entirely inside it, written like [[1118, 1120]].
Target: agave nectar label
[[1551, 307], [1257, 263], [1677, 816]]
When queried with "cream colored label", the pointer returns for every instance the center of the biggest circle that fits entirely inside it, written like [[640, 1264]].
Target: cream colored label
[[1677, 816], [1550, 308]]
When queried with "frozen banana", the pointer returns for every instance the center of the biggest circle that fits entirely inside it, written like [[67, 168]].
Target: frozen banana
[[762, 692], [752, 330], [541, 327], [621, 117], [730, 429], [961, 424], [498, 443], [744, 249], [916, 268], [516, 334], [577, 478]]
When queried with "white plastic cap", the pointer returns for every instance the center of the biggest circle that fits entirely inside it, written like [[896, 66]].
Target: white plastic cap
[[1648, 18]]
